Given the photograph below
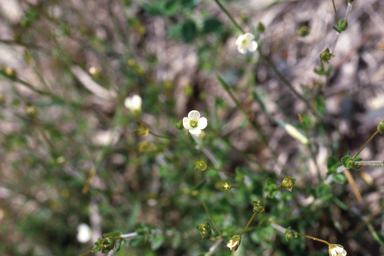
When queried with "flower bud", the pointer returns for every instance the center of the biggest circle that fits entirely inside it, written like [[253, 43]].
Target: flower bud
[[227, 185], [288, 183], [205, 230], [30, 110], [179, 125], [200, 165], [234, 243], [107, 244], [142, 130], [380, 127], [10, 72], [336, 250], [326, 56], [258, 206], [303, 30]]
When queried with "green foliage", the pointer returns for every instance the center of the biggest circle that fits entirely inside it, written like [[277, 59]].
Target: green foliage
[[341, 26]]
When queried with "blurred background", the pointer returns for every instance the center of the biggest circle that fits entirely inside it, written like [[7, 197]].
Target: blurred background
[[72, 168]]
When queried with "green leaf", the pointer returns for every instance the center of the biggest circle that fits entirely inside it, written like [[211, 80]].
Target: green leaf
[[171, 7], [120, 243], [339, 178], [115, 235], [344, 160], [332, 165], [188, 31], [211, 25], [137, 241], [156, 242], [323, 191]]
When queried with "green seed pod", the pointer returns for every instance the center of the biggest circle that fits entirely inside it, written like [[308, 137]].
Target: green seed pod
[[288, 183], [258, 206], [380, 127], [326, 55], [205, 230]]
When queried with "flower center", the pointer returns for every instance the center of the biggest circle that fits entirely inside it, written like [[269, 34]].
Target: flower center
[[244, 42], [193, 124]]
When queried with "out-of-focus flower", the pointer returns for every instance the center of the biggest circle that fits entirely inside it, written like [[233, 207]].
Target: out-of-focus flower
[[227, 185], [84, 233], [234, 243], [336, 250], [200, 165], [194, 123], [246, 43], [133, 103]]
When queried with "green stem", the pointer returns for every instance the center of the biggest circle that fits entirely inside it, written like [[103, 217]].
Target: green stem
[[286, 82], [169, 138], [369, 140], [249, 222], [309, 146], [369, 225], [229, 15], [280, 228], [334, 9], [210, 217], [369, 163]]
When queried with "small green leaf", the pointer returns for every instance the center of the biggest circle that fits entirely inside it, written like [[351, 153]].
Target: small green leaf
[[188, 31], [323, 191], [115, 235], [211, 25], [156, 242], [137, 241], [339, 178]]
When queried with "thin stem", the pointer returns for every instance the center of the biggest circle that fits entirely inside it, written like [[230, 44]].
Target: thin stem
[[169, 138], [210, 217], [87, 252], [286, 82], [280, 228], [231, 174], [309, 146], [214, 246], [370, 163], [129, 235], [229, 15], [334, 9], [249, 222], [344, 22], [369, 140], [343, 206]]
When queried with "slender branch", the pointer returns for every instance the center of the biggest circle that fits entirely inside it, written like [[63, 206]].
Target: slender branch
[[210, 217], [280, 228], [334, 9], [249, 222], [229, 15], [309, 146], [286, 82], [129, 235], [369, 140], [214, 246], [344, 22]]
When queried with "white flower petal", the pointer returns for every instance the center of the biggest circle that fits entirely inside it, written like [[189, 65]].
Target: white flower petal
[[194, 115], [239, 40], [84, 233], [252, 47], [203, 122], [241, 50], [186, 123], [195, 131], [249, 36]]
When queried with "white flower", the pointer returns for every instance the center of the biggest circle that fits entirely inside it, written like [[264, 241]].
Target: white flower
[[336, 250], [133, 103], [291, 130], [84, 233], [246, 43], [194, 123]]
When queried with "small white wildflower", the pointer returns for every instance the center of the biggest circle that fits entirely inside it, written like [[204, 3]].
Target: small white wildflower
[[336, 250], [291, 130], [234, 243], [246, 43], [194, 123], [133, 103], [84, 233]]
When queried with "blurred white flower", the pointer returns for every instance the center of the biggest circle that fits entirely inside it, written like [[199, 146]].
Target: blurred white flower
[[246, 43], [194, 123], [133, 103], [336, 250], [291, 130], [84, 233]]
